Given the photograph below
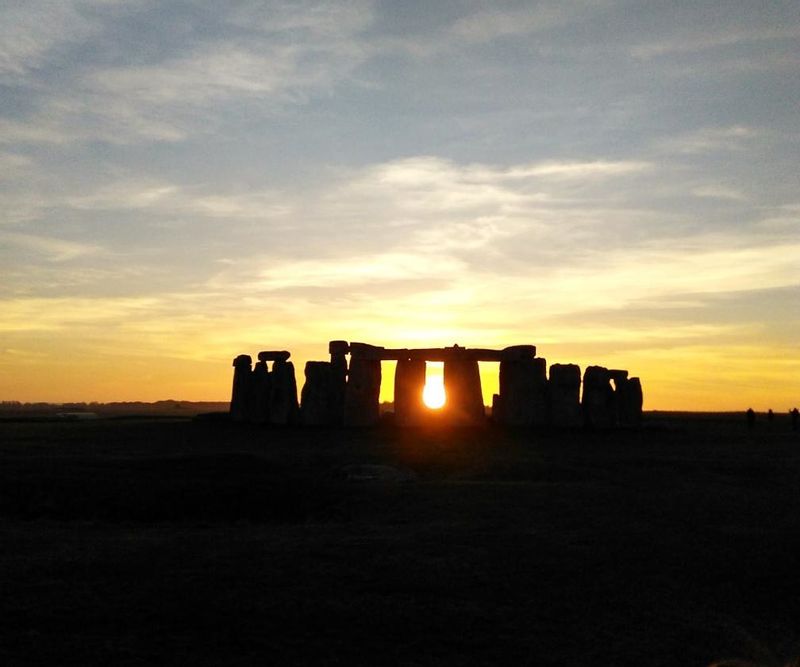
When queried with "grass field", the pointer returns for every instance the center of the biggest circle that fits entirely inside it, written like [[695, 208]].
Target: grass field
[[178, 542]]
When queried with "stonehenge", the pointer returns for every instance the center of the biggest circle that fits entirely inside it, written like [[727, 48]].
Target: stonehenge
[[362, 394], [563, 397], [240, 395], [262, 396], [347, 393], [409, 383], [462, 386], [522, 400], [599, 400], [316, 399]]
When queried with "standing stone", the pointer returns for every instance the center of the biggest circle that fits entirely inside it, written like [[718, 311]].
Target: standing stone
[[362, 395], [564, 390], [462, 386], [260, 393], [498, 409], [274, 355], [283, 394], [338, 349], [629, 403], [240, 394], [523, 391], [315, 402], [409, 383], [599, 401]]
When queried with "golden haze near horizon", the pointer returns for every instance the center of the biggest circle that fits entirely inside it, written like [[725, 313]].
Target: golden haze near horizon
[[694, 378]]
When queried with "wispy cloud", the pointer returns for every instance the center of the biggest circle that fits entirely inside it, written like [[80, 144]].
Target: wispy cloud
[[275, 53], [170, 199], [489, 24], [30, 31], [12, 165], [53, 249], [718, 192], [706, 140], [703, 39]]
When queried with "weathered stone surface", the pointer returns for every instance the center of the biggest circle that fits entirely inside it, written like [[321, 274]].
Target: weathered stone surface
[[523, 392], [362, 393], [365, 351], [599, 400], [629, 402], [283, 407], [409, 383], [338, 386], [274, 355], [618, 375], [454, 353], [517, 353], [497, 409], [563, 395], [462, 385], [261, 380], [316, 397], [338, 347], [240, 394]]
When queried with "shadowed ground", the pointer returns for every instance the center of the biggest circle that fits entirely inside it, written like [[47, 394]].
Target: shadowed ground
[[178, 542]]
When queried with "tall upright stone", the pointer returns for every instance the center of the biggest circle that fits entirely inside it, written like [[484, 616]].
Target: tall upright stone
[[362, 394], [523, 391], [261, 380], [240, 393], [283, 406], [409, 383], [315, 401], [629, 403], [599, 401], [462, 387], [338, 349], [564, 395]]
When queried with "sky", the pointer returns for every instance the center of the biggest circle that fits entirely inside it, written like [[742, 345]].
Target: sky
[[615, 182]]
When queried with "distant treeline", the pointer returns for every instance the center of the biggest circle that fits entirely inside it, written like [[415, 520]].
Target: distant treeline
[[114, 409]]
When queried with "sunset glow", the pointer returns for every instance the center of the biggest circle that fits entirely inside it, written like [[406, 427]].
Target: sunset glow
[[433, 395], [615, 184]]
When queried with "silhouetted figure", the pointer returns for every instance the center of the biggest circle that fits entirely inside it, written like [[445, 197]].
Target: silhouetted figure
[[795, 417], [751, 418], [770, 417]]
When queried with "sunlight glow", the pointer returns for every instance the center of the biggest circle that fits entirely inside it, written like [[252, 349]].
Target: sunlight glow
[[433, 394]]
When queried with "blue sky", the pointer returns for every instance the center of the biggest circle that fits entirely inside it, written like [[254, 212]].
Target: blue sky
[[616, 182]]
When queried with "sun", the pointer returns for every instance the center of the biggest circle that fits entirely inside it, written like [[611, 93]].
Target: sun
[[433, 394]]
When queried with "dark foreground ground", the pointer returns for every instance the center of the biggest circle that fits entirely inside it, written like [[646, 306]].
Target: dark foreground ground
[[137, 542]]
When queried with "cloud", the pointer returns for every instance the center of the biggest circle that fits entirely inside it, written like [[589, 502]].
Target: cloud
[[272, 54], [705, 39], [58, 314], [711, 139], [53, 249], [171, 199], [12, 165], [490, 24], [30, 31], [718, 192]]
